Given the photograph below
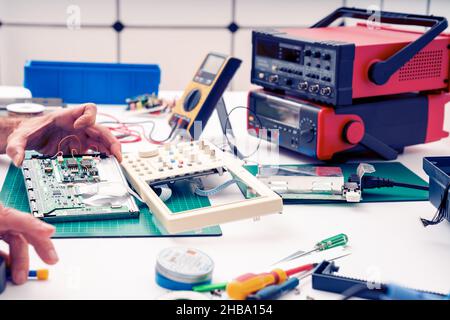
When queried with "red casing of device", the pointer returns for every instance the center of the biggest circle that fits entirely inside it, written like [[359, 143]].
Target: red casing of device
[[338, 132], [427, 70]]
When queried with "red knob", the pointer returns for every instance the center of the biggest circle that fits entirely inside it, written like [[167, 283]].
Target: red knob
[[354, 132]]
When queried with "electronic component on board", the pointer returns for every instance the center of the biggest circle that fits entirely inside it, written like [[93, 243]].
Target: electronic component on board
[[302, 182], [77, 188]]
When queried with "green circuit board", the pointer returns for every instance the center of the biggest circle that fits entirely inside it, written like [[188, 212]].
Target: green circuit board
[[54, 188]]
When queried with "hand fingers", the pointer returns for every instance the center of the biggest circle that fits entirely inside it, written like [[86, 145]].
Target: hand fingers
[[36, 232], [86, 117], [15, 149], [103, 135], [18, 252], [43, 247]]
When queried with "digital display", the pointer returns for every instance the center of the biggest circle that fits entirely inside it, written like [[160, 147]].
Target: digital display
[[290, 55], [279, 112], [212, 64], [265, 48]]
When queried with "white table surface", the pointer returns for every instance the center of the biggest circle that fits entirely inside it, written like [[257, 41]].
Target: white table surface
[[387, 240]]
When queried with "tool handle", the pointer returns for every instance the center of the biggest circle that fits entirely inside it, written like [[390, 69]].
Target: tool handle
[[306, 267], [332, 242], [210, 287], [275, 291], [243, 286], [380, 72]]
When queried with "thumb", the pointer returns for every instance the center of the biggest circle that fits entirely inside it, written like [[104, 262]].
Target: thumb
[[85, 115], [15, 148]]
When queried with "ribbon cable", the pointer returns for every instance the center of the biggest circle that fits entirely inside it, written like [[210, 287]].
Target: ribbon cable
[[213, 191]]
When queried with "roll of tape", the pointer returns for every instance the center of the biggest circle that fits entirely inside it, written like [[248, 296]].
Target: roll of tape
[[25, 109]]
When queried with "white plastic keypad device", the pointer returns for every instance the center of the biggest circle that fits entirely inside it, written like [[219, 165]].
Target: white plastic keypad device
[[174, 161]]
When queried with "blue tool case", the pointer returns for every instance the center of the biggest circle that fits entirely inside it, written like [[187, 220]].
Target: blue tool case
[[78, 82], [438, 169]]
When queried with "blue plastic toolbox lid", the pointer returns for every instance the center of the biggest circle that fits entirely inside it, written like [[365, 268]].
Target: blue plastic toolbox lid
[[78, 82]]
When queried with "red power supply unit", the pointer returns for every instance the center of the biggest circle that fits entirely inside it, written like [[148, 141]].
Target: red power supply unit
[[382, 126], [336, 65]]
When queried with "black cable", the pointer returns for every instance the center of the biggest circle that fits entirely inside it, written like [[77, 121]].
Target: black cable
[[372, 182], [441, 212], [174, 128], [411, 186], [234, 148]]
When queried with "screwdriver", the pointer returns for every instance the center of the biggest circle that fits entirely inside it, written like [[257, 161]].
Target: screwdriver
[[328, 243], [244, 285], [241, 287], [275, 291]]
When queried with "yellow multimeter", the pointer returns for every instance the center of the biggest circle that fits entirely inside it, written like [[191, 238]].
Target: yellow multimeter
[[204, 91]]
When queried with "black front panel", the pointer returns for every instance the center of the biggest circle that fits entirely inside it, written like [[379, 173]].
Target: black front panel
[[291, 124], [304, 68]]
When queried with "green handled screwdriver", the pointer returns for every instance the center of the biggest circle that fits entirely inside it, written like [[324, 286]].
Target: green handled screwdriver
[[332, 242]]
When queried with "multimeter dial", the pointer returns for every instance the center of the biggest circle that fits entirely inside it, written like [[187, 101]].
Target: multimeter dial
[[191, 100], [307, 130]]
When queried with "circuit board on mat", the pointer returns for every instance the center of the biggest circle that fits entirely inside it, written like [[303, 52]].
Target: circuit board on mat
[[77, 188], [392, 170], [13, 194]]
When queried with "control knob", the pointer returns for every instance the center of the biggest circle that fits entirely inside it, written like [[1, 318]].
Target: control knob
[[314, 88], [303, 85], [307, 130], [325, 91], [273, 78]]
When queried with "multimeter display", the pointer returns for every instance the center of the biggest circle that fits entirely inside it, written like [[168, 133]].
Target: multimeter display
[[212, 64], [209, 69]]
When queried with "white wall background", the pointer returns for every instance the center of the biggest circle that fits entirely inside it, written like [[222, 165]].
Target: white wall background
[[173, 33]]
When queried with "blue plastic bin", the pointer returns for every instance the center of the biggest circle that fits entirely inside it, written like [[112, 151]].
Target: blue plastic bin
[[78, 82], [438, 169]]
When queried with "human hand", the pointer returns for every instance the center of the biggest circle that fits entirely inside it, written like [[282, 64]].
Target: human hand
[[68, 130], [19, 229]]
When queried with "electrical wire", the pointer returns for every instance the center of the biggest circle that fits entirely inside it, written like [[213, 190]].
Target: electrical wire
[[174, 129], [441, 212], [215, 190], [72, 136], [124, 129], [233, 147], [410, 186]]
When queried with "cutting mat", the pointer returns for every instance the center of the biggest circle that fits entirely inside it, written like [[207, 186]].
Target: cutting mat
[[13, 194], [391, 170]]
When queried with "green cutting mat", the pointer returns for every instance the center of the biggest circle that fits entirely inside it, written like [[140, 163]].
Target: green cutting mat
[[13, 195], [391, 170]]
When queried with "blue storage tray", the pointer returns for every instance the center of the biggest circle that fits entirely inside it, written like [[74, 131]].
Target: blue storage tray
[[78, 82], [438, 169]]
